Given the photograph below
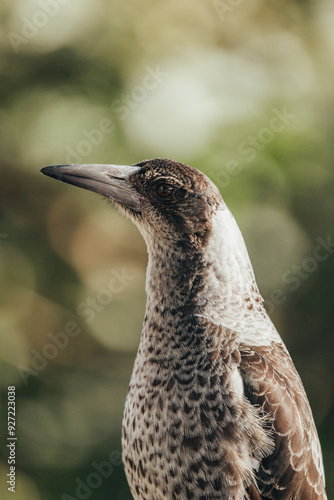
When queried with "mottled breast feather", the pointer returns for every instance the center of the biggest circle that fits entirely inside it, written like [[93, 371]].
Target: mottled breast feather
[[188, 430]]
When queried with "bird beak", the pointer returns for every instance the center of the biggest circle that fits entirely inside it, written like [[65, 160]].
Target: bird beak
[[112, 181]]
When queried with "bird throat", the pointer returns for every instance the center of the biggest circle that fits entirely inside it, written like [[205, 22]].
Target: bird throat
[[215, 284]]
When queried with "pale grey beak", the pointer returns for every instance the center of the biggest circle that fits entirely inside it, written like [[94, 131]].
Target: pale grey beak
[[112, 181]]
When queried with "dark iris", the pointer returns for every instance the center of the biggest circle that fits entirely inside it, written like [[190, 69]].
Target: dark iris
[[165, 190]]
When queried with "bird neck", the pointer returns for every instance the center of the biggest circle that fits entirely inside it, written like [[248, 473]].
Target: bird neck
[[174, 279], [215, 283]]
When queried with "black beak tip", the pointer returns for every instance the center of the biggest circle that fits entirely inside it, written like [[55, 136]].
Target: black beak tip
[[45, 170], [51, 170]]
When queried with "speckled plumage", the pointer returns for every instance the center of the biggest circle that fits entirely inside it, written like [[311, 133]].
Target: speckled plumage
[[215, 408]]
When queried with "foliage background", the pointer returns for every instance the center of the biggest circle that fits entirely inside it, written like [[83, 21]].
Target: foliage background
[[223, 69]]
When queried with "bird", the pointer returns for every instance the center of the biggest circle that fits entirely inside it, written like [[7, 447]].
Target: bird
[[215, 407]]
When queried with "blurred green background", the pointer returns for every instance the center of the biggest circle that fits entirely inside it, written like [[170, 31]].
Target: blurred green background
[[242, 90]]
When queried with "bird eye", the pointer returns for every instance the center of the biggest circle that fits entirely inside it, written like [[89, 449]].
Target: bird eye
[[165, 190]]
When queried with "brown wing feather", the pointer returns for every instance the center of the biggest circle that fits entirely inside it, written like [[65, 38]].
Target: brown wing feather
[[294, 470], [253, 493]]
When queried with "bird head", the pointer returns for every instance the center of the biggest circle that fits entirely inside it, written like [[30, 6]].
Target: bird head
[[167, 200], [194, 243]]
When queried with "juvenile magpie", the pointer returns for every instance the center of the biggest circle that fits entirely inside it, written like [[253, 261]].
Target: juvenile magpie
[[215, 408]]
